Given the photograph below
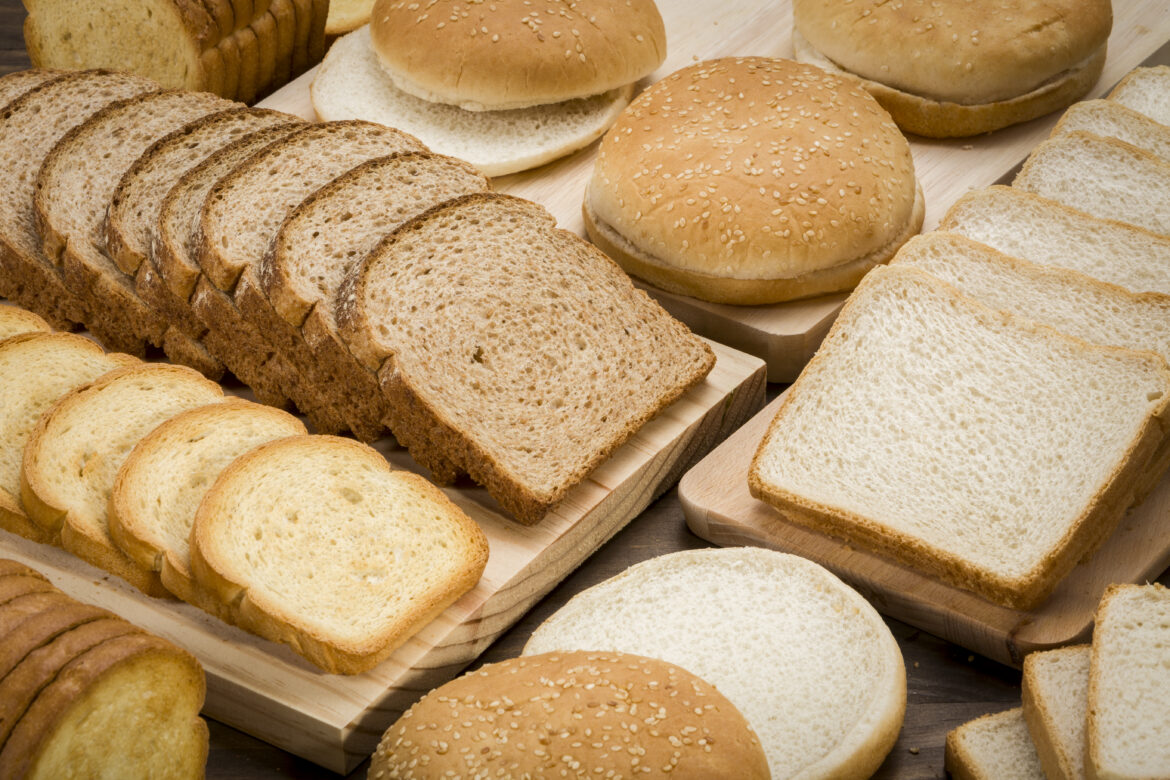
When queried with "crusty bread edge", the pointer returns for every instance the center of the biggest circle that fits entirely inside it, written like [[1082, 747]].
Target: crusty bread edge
[[1041, 723], [958, 762]]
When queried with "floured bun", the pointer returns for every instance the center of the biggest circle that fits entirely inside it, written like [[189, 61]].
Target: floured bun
[[753, 180], [946, 68]]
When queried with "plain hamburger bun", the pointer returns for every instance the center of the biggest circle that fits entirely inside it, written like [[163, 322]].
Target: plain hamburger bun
[[751, 181], [946, 68], [580, 714]]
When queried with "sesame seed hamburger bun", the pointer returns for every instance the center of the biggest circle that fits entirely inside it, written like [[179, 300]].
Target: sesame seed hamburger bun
[[579, 714], [751, 181], [946, 68]]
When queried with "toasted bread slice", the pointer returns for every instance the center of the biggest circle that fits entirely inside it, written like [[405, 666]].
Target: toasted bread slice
[[14, 321]]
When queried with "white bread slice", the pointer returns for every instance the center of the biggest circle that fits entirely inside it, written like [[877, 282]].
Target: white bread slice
[[74, 453], [1110, 119], [1105, 177], [162, 481], [1129, 685], [35, 371], [15, 320], [1145, 90], [939, 432], [316, 542], [993, 747], [1030, 227], [1055, 696], [351, 84], [832, 701], [1072, 303]]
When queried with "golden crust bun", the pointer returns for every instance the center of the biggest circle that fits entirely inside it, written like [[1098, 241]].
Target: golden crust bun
[[580, 713], [753, 180], [515, 53]]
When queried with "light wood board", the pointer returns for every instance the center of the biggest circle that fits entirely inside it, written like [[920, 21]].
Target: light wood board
[[720, 509], [786, 335], [266, 690]]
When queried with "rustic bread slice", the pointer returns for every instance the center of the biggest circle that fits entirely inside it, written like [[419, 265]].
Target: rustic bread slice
[[316, 542], [1145, 90], [160, 485], [1105, 177], [993, 747], [222, 13], [15, 321], [1055, 695], [927, 428], [15, 84], [1129, 688], [38, 599], [17, 585], [518, 352], [35, 371], [18, 637], [74, 453], [1030, 227], [29, 128], [332, 230], [1111, 119]]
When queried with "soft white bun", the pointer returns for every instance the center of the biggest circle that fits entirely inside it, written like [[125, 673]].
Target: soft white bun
[[753, 180], [514, 53]]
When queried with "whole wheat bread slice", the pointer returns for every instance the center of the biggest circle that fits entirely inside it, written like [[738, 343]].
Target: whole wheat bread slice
[[1145, 90], [74, 453], [939, 432], [518, 351], [993, 747], [22, 637], [35, 371], [15, 321], [17, 83], [316, 542], [1055, 695], [1111, 119]]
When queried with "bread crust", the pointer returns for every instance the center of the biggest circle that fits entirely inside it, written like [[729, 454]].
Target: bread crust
[[24, 636], [1041, 721]]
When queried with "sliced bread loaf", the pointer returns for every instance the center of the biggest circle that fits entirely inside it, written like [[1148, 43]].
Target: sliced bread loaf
[[25, 635], [1055, 693], [17, 83], [1111, 119], [1030, 227], [15, 321], [316, 542], [35, 371], [160, 485], [994, 747], [832, 702], [1105, 177], [939, 432], [1129, 685], [74, 453], [1145, 90]]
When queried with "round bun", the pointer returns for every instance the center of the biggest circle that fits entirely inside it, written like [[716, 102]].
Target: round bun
[[804, 657], [581, 714], [753, 180], [515, 53], [952, 67]]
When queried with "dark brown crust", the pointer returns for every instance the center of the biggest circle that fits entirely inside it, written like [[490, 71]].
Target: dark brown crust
[[19, 638], [9, 567], [317, 31]]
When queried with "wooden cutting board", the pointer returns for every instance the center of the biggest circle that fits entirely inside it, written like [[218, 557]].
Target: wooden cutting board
[[786, 335], [266, 690], [719, 508]]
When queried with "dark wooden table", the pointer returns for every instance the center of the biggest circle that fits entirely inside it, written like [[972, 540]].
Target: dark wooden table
[[946, 684]]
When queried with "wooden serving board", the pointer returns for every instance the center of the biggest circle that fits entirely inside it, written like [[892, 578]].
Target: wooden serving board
[[786, 335], [266, 690], [719, 508]]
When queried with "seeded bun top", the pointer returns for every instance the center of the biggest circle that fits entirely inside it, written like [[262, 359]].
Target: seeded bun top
[[505, 54], [579, 713]]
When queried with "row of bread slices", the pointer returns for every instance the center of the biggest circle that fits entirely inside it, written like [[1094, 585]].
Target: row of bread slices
[[337, 265], [987, 407], [148, 471], [237, 49], [83, 693], [1095, 710]]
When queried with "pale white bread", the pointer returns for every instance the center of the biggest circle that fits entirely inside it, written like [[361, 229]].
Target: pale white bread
[[1129, 687], [332, 230], [1145, 90], [19, 82], [1069, 302], [1055, 697], [1030, 227], [15, 320], [832, 702], [753, 180], [1111, 119], [520, 353], [951, 68], [515, 53], [73, 455], [584, 713], [993, 747], [350, 84], [35, 371], [927, 428], [159, 486], [347, 15], [316, 542], [1102, 176]]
